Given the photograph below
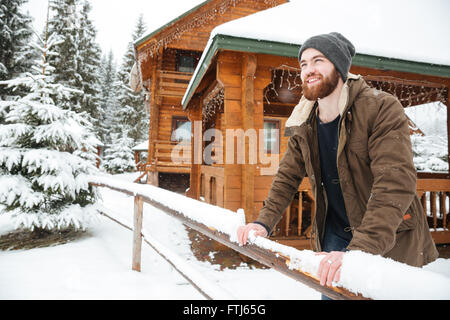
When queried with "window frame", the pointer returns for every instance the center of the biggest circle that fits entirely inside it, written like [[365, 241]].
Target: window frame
[[278, 142], [175, 119], [186, 53]]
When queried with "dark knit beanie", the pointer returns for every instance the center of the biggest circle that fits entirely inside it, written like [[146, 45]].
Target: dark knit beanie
[[335, 47]]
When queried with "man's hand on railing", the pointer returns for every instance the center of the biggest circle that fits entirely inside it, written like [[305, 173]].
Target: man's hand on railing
[[243, 232], [330, 267]]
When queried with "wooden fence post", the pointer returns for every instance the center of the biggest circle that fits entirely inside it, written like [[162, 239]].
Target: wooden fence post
[[137, 238]]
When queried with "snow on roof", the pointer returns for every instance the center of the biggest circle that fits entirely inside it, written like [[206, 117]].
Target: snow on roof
[[172, 14], [143, 146], [413, 30]]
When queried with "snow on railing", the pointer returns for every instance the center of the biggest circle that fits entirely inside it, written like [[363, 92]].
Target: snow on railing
[[363, 276]]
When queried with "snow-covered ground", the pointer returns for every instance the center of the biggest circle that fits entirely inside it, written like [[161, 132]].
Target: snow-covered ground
[[98, 266]]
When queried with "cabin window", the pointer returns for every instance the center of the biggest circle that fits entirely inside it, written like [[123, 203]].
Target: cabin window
[[271, 136], [181, 129], [187, 61]]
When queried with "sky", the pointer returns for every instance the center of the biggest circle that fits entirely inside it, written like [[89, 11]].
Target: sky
[[115, 20]]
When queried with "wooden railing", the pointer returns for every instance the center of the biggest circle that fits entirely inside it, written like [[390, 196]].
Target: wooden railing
[[169, 156], [267, 257], [434, 195], [294, 229], [173, 83], [143, 168]]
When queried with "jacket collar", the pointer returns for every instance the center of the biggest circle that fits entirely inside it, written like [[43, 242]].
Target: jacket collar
[[302, 110]]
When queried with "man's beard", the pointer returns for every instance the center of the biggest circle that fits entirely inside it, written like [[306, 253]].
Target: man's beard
[[323, 89]]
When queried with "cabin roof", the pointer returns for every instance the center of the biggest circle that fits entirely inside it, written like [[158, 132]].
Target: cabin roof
[[143, 146], [408, 37], [172, 22]]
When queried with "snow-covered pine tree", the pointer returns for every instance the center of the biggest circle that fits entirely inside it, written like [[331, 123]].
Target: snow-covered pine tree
[[15, 51], [43, 182], [89, 64], [119, 157], [63, 24], [108, 99], [132, 107], [430, 153]]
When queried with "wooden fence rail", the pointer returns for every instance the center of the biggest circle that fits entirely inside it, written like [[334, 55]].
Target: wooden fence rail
[[136, 263], [269, 258]]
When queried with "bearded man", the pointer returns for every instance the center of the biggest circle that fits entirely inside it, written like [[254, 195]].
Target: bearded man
[[353, 143]]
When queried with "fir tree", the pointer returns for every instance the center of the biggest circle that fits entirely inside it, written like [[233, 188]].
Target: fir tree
[[108, 99], [89, 64], [15, 52], [63, 24], [43, 180], [132, 111], [119, 156]]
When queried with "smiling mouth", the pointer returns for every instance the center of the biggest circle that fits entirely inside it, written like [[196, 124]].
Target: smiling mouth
[[313, 80]]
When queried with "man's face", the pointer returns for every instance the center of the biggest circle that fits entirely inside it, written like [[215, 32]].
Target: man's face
[[318, 74]]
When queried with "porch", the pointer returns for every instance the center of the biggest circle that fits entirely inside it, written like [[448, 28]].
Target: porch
[[168, 157], [295, 227], [244, 91]]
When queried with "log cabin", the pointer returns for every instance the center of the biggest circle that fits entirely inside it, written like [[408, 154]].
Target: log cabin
[[165, 61], [248, 80]]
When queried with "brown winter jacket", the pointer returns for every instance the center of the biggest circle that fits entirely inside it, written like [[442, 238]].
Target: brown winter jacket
[[376, 172]]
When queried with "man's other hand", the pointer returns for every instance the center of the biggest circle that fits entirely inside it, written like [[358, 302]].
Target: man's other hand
[[242, 232]]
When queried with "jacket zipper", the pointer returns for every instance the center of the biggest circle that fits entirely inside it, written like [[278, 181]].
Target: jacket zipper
[[314, 231], [349, 116]]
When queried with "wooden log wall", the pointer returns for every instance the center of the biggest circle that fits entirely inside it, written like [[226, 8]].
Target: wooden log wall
[[233, 185], [244, 187], [229, 75], [197, 37]]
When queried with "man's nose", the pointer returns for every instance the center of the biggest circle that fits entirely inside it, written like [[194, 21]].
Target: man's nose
[[308, 70]]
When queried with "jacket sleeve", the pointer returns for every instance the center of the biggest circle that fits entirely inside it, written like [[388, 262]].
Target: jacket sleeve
[[284, 186], [394, 175]]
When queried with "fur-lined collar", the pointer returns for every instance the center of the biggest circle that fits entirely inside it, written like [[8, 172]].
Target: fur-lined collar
[[303, 109]]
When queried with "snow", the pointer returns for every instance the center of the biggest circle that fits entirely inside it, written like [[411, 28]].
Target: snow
[[431, 118], [412, 30], [98, 266], [94, 267], [430, 150], [223, 220], [143, 146], [387, 279]]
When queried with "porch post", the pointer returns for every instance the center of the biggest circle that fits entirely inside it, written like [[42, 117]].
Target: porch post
[[249, 63], [154, 123], [195, 116], [448, 127], [137, 237]]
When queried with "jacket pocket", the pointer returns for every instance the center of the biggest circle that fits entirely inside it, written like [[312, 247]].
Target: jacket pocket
[[409, 218]]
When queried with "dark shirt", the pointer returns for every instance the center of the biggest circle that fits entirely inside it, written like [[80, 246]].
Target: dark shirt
[[337, 220]]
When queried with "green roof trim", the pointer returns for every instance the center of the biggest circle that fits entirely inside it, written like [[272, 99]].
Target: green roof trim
[[150, 35], [223, 42]]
